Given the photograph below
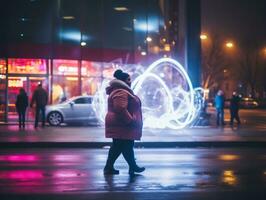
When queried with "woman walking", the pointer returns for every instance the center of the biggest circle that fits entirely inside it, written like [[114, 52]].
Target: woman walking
[[123, 122], [21, 106]]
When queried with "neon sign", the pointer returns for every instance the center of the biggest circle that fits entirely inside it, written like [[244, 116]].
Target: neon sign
[[67, 69], [25, 66], [15, 83]]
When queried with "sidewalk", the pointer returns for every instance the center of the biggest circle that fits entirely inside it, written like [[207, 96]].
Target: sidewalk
[[252, 133], [93, 137]]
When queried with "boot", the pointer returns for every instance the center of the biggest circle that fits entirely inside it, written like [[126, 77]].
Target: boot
[[136, 169], [110, 171]]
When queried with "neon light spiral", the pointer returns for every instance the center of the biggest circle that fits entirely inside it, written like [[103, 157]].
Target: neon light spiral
[[167, 102]]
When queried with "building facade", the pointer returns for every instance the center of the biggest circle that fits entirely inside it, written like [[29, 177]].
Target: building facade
[[72, 45]]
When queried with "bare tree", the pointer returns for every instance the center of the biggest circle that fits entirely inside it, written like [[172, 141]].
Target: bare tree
[[213, 62], [251, 67]]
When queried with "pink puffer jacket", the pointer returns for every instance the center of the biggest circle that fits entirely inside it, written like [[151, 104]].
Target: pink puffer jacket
[[124, 117]]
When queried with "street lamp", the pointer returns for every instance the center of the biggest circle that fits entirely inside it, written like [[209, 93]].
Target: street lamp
[[264, 51], [229, 45], [149, 39], [83, 44], [203, 37]]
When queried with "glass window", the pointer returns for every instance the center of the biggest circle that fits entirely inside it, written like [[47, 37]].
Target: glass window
[[64, 88], [28, 20], [118, 24], [2, 66], [14, 84], [69, 22], [83, 100], [65, 80], [90, 68], [2, 97], [91, 77], [27, 66], [65, 67], [90, 85], [89, 100], [92, 24]]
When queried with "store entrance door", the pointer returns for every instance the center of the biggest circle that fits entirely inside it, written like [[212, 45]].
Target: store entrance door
[[29, 84]]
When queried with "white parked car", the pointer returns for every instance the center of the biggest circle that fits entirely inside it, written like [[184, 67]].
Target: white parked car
[[75, 109]]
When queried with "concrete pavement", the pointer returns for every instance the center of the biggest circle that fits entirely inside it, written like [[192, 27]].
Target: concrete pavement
[[251, 133], [11, 136]]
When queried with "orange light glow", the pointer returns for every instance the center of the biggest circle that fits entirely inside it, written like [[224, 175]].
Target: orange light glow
[[229, 177], [264, 51], [167, 47], [203, 37], [228, 157], [229, 44], [2, 66], [72, 78]]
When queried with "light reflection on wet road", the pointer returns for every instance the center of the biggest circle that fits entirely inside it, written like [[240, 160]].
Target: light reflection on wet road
[[57, 171]]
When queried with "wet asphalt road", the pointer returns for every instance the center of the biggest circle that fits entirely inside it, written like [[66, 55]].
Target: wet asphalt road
[[170, 174]]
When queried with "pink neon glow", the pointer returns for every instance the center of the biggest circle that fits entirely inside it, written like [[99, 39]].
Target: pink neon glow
[[22, 158], [21, 174], [67, 158], [19, 158], [65, 174]]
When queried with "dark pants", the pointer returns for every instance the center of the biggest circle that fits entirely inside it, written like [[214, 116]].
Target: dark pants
[[219, 116], [234, 115], [21, 117], [126, 147], [37, 114]]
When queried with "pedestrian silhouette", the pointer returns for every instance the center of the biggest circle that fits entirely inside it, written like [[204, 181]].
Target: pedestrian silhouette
[[219, 105], [40, 98], [123, 123], [234, 108], [21, 106]]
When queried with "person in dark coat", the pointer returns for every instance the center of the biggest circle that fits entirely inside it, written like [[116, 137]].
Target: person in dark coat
[[219, 105], [123, 122], [40, 98], [234, 108], [21, 106]]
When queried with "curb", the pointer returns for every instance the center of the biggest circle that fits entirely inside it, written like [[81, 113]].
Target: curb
[[211, 144]]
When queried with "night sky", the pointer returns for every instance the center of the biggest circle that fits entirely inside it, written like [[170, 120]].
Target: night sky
[[235, 19]]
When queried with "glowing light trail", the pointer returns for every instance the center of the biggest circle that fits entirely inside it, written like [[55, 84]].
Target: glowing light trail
[[164, 104]]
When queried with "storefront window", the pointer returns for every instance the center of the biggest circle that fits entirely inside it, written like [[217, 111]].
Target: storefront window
[[27, 66], [65, 67], [91, 77], [29, 84], [14, 84], [90, 85], [90, 68], [2, 97], [64, 88], [65, 80], [2, 66]]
